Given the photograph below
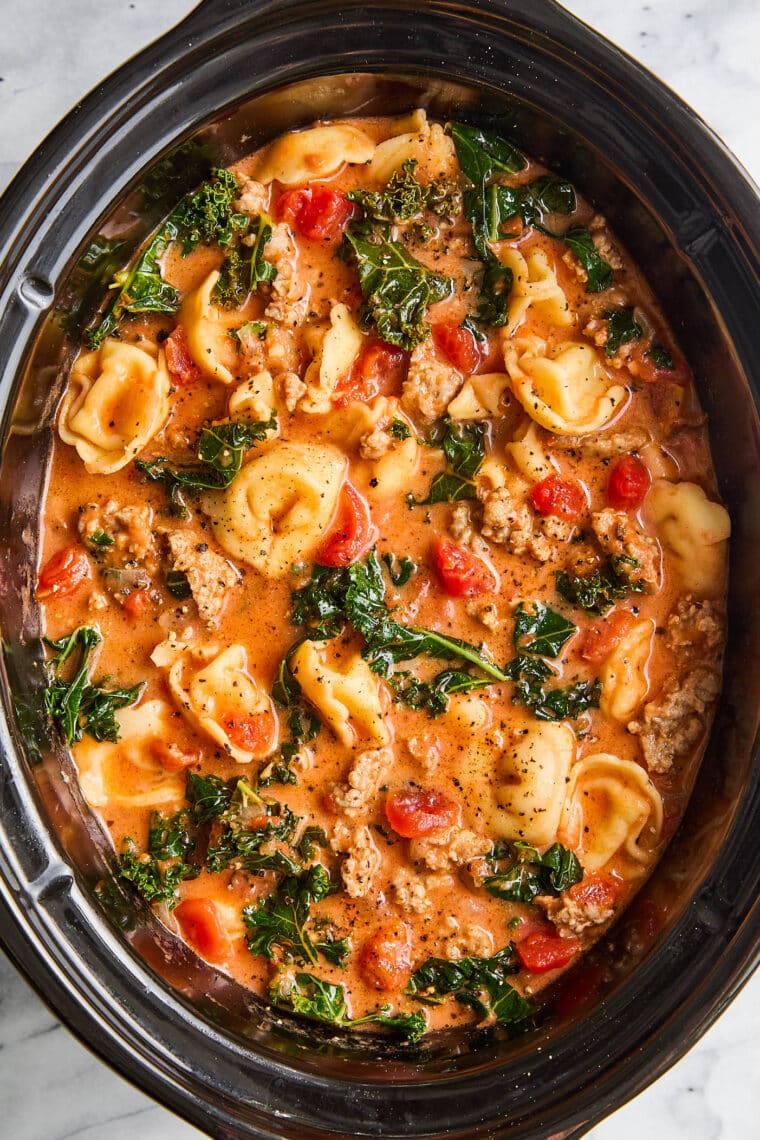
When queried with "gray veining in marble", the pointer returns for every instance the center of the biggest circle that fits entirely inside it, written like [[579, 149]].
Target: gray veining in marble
[[51, 1087]]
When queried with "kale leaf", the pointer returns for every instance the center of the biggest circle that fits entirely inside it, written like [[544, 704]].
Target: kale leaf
[[325, 1001], [547, 629], [481, 154], [397, 289], [530, 674], [157, 874], [660, 357], [77, 706], [598, 271], [278, 924], [479, 983], [400, 570], [464, 445], [245, 268], [432, 696], [598, 591], [209, 796], [404, 198], [621, 328], [178, 585], [221, 448], [207, 216], [529, 874]]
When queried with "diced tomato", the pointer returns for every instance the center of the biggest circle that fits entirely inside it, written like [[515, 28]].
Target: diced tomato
[[172, 758], [646, 369], [462, 573], [600, 890], [316, 212], [563, 498], [199, 923], [353, 532], [458, 344], [137, 602], [379, 370], [601, 637], [254, 732], [628, 483], [543, 952], [64, 572], [180, 363], [385, 959], [416, 812]]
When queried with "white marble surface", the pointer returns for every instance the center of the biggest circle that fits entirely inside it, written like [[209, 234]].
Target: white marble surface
[[51, 53]]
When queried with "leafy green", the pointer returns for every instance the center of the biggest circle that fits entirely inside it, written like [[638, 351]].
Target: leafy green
[[598, 271], [400, 570], [250, 848], [660, 357], [99, 540], [481, 154], [205, 215], [621, 329], [598, 591], [209, 796], [489, 209], [245, 268], [156, 881], [257, 329], [397, 289], [529, 874], [76, 705], [172, 836], [399, 429], [177, 584], [220, 453], [280, 771], [548, 630], [311, 838], [479, 983], [278, 924], [464, 445], [432, 696], [530, 674], [303, 724], [325, 1001], [404, 198]]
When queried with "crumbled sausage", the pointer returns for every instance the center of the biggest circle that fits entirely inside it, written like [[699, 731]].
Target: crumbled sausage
[[253, 198], [130, 527], [430, 384], [375, 444], [208, 574], [695, 626], [362, 858], [603, 242], [449, 850], [468, 941], [619, 536], [409, 892], [604, 446], [356, 797], [484, 611], [292, 388], [289, 292], [673, 723], [571, 917]]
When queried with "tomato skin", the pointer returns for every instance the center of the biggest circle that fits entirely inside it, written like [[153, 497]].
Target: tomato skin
[[540, 953], [458, 345], [137, 602], [172, 758], [416, 812], [316, 212], [385, 959], [64, 572], [183, 369], [353, 532], [598, 889], [601, 637], [379, 369], [199, 923], [563, 498], [628, 483], [252, 733], [462, 573]]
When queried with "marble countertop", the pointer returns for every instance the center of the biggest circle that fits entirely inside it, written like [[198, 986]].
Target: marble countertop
[[51, 1087]]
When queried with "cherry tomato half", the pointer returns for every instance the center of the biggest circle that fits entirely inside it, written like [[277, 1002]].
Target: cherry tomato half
[[628, 483], [385, 959], [64, 572], [601, 637], [254, 732], [458, 344], [462, 573], [540, 953], [416, 812], [563, 498], [316, 212], [183, 369], [379, 370], [353, 532], [199, 923]]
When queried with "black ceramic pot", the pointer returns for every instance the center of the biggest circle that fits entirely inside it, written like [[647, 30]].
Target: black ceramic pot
[[234, 74]]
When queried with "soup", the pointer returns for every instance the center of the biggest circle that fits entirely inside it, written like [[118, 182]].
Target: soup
[[384, 575]]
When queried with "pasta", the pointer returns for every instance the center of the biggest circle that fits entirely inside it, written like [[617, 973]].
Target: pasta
[[407, 632]]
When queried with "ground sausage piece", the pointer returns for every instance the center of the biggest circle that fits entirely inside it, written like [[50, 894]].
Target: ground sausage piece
[[375, 444], [673, 723], [253, 198], [364, 780], [131, 528], [290, 294], [208, 574], [430, 384], [570, 917], [449, 850], [618, 535], [362, 858]]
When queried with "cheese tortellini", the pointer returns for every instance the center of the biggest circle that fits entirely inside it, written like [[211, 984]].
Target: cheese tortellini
[[385, 465], [116, 401], [206, 328], [694, 531], [253, 400], [569, 393], [217, 695], [346, 693], [528, 453], [534, 286], [424, 143], [518, 792], [304, 156], [128, 773], [479, 398], [623, 675], [332, 361], [611, 808], [277, 509]]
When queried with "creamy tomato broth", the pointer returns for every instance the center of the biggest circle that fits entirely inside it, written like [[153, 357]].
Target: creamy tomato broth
[[386, 575]]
